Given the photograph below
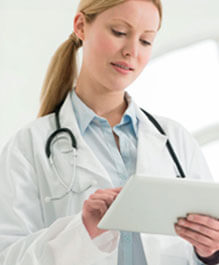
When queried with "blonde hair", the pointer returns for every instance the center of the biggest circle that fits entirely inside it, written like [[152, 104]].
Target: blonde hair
[[63, 69]]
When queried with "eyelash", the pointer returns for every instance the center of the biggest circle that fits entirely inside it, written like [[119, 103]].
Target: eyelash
[[119, 34]]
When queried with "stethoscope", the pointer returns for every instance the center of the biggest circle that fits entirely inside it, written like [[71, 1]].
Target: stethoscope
[[74, 187]]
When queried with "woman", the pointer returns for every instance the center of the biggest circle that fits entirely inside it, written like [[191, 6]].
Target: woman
[[50, 211]]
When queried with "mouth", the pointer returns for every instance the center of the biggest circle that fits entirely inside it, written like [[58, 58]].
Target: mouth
[[123, 67]]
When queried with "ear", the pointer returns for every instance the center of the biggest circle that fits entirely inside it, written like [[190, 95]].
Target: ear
[[79, 25]]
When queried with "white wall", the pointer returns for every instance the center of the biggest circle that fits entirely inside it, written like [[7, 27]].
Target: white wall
[[183, 85], [31, 31]]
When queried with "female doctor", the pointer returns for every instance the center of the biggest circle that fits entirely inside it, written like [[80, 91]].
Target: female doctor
[[54, 190]]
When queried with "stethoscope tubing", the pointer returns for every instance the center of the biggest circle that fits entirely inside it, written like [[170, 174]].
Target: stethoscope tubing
[[168, 144], [70, 187]]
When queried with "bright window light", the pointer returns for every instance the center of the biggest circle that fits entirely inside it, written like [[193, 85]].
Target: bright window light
[[184, 85]]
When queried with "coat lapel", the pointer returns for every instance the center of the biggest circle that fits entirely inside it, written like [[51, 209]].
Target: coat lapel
[[86, 159], [153, 158]]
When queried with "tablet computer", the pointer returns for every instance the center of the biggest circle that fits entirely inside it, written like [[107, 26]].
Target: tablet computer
[[153, 204]]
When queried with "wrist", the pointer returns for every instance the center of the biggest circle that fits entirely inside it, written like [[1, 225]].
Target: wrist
[[211, 260], [91, 229]]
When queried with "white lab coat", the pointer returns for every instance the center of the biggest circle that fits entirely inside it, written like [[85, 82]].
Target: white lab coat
[[33, 232]]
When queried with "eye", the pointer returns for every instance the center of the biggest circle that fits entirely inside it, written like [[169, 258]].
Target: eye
[[118, 33], [146, 43]]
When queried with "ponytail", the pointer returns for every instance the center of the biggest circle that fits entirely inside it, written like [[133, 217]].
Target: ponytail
[[60, 77]]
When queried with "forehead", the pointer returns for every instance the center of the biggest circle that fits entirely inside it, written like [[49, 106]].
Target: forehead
[[138, 13]]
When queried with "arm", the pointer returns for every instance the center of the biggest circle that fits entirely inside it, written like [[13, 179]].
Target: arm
[[24, 239], [195, 167], [203, 231]]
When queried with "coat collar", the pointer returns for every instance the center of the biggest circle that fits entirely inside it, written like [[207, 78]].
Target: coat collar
[[149, 151], [151, 146]]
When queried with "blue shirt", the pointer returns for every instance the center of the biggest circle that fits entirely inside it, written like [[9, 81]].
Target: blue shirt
[[120, 165], [98, 134]]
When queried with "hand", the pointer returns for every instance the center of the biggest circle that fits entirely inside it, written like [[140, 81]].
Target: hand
[[95, 207], [201, 231]]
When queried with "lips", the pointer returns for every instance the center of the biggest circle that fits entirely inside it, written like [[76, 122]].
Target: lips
[[123, 64], [121, 70]]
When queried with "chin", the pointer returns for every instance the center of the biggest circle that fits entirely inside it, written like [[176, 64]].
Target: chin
[[118, 86]]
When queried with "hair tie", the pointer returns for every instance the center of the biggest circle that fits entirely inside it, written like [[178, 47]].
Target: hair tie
[[77, 42]]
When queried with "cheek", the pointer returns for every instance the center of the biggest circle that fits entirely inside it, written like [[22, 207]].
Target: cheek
[[105, 45], [145, 57]]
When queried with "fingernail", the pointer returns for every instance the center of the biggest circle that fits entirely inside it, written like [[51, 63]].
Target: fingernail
[[190, 218], [181, 222], [178, 228]]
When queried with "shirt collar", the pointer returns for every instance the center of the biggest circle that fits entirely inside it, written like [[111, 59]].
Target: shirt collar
[[130, 113], [85, 115]]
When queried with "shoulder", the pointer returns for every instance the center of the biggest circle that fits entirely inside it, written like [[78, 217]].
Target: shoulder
[[39, 127], [182, 141], [173, 129], [33, 135], [177, 133], [187, 148]]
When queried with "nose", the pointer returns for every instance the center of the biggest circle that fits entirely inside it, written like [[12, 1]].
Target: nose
[[131, 48]]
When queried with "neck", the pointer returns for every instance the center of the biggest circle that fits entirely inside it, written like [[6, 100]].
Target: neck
[[109, 105]]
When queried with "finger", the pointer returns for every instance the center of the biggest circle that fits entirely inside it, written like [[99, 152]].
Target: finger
[[187, 233], [116, 190], [107, 198], [201, 249], [204, 252], [204, 230], [105, 192], [205, 220], [92, 206]]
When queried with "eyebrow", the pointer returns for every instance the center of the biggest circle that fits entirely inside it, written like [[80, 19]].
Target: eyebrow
[[152, 31]]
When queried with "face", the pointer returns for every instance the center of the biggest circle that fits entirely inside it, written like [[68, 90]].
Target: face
[[124, 33]]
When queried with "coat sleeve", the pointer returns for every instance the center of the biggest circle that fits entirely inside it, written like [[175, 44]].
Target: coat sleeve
[[24, 239], [187, 150]]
